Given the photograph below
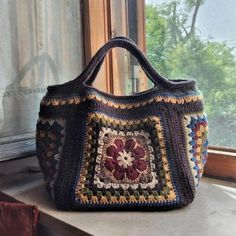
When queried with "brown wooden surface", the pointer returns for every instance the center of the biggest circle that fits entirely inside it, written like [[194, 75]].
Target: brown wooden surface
[[120, 58], [142, 40], [96, 33], [121, 69], [105, 19], [221, 164]]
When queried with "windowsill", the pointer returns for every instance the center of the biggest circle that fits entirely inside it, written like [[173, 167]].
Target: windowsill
[[213, 212]]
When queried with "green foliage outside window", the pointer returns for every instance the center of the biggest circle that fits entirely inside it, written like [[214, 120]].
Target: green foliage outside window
[[176, 50]]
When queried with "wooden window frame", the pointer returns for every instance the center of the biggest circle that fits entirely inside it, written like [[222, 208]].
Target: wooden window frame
[[221, 160], [98, 28], [95, 15], [221, 163]]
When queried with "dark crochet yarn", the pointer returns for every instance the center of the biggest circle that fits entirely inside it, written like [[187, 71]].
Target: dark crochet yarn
[[103, 152]]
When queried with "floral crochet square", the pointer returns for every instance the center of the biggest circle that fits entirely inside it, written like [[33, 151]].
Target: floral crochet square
[[124, 161]]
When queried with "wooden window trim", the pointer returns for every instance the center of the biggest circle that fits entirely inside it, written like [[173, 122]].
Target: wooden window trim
[[221, 160], [96, 32], [99, 26], [97, 22], [221, 163], [142, 40]]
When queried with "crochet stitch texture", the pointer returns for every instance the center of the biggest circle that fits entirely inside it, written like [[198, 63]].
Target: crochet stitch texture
[[141, 152]]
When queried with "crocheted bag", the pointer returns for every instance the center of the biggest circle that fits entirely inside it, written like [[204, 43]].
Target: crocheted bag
[[140, 152]]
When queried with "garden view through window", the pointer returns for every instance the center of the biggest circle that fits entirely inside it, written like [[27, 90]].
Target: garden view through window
[[196, 39]]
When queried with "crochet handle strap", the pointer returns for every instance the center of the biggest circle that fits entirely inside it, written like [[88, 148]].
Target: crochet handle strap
[[91, 70]]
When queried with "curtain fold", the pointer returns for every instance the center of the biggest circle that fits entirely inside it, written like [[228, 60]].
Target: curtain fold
[[40, 45]]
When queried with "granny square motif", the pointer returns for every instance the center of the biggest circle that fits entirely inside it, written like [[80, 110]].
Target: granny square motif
[[145, 151], [125, 161], [196, 128], [50, 140]]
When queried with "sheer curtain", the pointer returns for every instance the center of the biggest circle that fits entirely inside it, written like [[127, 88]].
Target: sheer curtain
[[40, 45]]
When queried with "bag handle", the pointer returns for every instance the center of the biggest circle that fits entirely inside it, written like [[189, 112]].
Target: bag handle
[[128, 44], [97, 69], [94, 65]]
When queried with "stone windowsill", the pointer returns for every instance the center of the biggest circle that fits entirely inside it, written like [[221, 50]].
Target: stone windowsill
[[212, 213]]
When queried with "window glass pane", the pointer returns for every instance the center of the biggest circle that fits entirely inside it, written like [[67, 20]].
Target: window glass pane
[[40, 44], [197, 39], [120, 63], [127, 20]]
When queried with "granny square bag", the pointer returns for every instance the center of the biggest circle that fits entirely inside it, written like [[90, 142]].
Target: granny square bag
[[99, 151]]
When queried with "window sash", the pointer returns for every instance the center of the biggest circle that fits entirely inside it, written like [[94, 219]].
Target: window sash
[[98, 26]]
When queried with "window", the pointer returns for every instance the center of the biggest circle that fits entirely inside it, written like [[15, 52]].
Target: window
[[182, 39], [41, 44], [188, 39], [120, 73], [197, 39]]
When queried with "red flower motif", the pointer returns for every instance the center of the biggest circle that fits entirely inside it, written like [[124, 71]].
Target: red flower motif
[[110, 164], [119, 144], [119, 172], [140, 165], [132, 173], [139, 152], [112, 151], [129, 145], [125, 158]]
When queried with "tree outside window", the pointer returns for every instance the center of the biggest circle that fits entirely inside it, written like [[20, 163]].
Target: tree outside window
[[177, 49]]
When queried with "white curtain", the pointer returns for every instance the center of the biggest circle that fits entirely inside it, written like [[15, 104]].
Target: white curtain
[[40, 44]]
